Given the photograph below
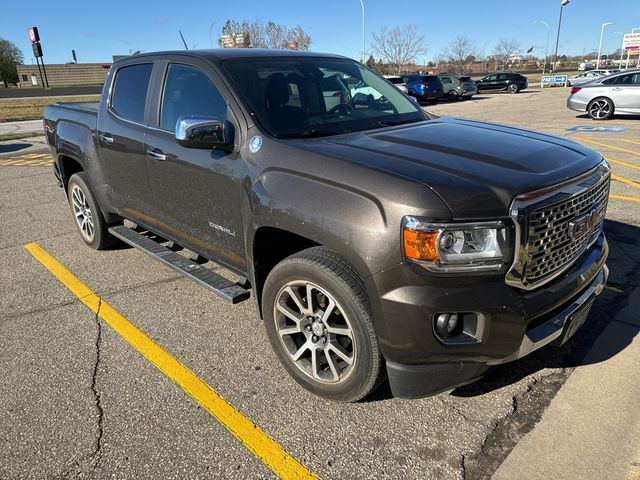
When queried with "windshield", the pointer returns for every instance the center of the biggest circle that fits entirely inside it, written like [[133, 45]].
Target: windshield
[[310, 97]]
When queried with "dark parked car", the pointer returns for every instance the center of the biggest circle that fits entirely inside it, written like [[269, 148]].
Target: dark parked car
[[425, 88], [458, 86], [374, 238], [509, 82]]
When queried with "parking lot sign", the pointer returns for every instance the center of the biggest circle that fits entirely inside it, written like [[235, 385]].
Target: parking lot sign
[[554, 80]]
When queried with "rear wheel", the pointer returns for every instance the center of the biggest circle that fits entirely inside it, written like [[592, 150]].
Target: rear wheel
[[87, 214], [513, 88], [600, 108], [453, 95], [319, 323]]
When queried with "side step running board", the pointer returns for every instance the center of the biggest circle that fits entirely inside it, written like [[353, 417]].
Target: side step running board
[[219, 285]]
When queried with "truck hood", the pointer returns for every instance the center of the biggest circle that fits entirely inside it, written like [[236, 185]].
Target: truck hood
[[476, 168]]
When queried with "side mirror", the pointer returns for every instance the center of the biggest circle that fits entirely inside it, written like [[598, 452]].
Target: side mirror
[[201, 131]]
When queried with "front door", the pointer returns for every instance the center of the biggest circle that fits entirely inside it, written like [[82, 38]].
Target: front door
[[197, 192]]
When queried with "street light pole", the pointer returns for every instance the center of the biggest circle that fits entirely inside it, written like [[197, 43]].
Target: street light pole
[[363, 52], [484, 59], [621, 49], [600, 47], [210, 28], [633, 30], [546, 48], [563, 3]]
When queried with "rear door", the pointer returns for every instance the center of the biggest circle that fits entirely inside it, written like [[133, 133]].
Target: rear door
[[501, 81], [196, 192], [121, 129], [625, 90]]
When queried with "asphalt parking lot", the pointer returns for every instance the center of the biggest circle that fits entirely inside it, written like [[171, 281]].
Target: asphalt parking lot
[[76, 400]]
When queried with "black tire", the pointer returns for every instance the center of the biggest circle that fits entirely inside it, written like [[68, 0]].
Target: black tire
[[600, 108], [513, 88], [326, 277], [453, 95], [81, 199]]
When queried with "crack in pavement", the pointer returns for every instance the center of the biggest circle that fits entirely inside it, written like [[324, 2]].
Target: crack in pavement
[[90, 462], [97, 453]]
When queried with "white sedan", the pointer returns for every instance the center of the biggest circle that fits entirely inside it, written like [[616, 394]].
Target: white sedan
[[601, 98]]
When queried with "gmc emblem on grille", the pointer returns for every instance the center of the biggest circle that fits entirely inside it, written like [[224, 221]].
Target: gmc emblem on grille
[[583, 225]]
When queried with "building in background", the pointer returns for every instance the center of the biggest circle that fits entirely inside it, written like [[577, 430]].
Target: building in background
[[64, 74]]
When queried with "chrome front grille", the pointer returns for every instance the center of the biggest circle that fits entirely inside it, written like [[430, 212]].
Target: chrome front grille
[[555, 226]]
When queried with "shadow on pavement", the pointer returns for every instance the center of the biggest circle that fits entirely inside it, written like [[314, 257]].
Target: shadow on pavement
[[624, 256], [14, 147]]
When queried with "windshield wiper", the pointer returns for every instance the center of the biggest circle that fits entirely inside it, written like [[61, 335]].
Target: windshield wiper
[[314, 132], [393, 123]]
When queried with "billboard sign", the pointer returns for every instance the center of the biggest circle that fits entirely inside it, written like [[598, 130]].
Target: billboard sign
[[631, 41]]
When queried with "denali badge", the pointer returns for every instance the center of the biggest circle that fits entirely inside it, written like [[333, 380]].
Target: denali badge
[[583, 225]]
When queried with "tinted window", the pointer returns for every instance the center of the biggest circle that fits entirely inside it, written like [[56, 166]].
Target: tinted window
[[395, 80], [188, 91], [428, 78], [490, 78], [629, 79], [130, 91], [465, 79]]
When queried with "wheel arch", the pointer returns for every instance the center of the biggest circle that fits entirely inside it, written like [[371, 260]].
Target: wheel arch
[[270, 246]]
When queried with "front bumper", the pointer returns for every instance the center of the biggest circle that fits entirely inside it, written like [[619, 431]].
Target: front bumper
[[517, 322]]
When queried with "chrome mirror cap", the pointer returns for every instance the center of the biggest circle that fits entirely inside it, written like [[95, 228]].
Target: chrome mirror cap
[[200, 131]]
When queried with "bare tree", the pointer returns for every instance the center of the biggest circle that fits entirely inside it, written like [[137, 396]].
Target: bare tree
[[10, 56], [400, 46], [504, 49], [460, 53], [259, 34]]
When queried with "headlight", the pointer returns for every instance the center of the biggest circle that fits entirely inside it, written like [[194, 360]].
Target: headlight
[[451, 247]]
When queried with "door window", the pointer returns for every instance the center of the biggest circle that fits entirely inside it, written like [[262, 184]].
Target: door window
[[189, 91], [130, 91], [629, 79]]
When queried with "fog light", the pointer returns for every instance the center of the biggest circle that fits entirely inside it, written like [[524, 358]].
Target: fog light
[[447, 325]]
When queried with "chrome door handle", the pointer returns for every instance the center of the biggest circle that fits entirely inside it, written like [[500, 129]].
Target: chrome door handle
[[616, 88], [105, 138], [155, 155]]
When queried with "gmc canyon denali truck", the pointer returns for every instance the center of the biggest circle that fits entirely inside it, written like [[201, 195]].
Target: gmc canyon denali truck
[[377, 240]]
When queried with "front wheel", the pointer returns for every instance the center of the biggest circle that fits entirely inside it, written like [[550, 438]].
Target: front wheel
[[453, 95], [513, 88], [319, 323], [87, 214], [600, 108]]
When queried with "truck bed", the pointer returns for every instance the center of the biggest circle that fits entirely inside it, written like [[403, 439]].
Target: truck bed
[[85, 107]]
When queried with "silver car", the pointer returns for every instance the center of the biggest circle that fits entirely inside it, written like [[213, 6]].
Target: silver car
[[601, 98], [398, 82]]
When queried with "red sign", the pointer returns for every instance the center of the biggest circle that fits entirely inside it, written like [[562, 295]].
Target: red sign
[[33, 34], [293, 45]]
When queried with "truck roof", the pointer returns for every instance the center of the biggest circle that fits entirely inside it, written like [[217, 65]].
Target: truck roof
[[219, 54]]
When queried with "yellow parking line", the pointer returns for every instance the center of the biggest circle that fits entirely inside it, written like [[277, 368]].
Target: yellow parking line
[[633, 152], [625, 180], [620, 162], [624, 197], [250, 435]]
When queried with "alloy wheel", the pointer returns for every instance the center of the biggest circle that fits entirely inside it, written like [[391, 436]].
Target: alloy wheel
[[82, 213], [315, 332], [599, 109]]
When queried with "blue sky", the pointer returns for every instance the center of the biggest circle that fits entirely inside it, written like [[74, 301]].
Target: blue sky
[[96, 30]]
